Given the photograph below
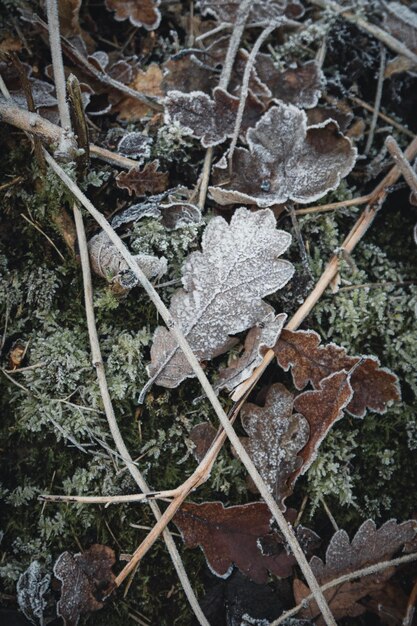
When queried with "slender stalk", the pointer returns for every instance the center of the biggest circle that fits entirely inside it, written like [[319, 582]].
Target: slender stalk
[[383, 116], [333, 205], [191, 358], [57, 63], [377, 102], [402, 163], [136, 497]]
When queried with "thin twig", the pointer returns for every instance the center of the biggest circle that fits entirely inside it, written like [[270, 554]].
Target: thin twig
[[211, 395], [333, 205], [39, 229], [136, 497], [57, 64], [377, 102], [366, 571], [329, 514], [402, 163], [383, 116]]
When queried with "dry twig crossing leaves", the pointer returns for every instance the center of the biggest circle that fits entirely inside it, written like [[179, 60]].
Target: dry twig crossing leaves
[[140, 12]]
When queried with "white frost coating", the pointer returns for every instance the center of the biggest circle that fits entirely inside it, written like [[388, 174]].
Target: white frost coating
[[275, 438], [31, 587], [287, 160], [136, 146], [223, 290]]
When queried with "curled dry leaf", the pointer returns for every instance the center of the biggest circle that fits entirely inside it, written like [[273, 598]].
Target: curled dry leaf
[[107, 262], [320, 114], [373, 386], [261, 10], [286, 160], [84, 578], [300, 85], [223, 290], [368, 547], [31, 588], [140, 12], [202, 436], [211, 120], [258, 340], [275, 438], [230, 536], [136, 146], [139, 181]]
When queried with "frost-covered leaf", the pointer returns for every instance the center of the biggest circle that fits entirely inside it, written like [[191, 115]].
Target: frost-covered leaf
[[202, 436], [142, 181], [107, 262], [275, 438], [31, 588], [286, 160], [401, 22], [223, 290], [300, 85], [373, 386], [230, 536], [136, 146], [320, 114], [172, 215], [140, 12], [258, 340], [369, 546], [211, 120], [68, 11], [85, 578], [261, 10]]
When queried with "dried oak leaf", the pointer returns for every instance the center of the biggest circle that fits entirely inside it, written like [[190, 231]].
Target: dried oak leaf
[[223, 290], [85, 577], [373, 386], [30, 590], [140, 12], [369, 546], [146, 81], [300, 85], [142, 181], [275, 438], [202, 436], [258, 340], [229, 536], [211, 120], [286, 160], [261, 10]]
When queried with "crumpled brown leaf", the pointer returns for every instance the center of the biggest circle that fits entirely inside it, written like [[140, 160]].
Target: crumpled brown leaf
[[261, 10], [147, 81], [258, 340], [373, 386], [369, 546], [229, 536], [286, 160], [211, 120], [202, 436], [275, 438], [84, 578], [223, 289], [140, 12], [139, 181]]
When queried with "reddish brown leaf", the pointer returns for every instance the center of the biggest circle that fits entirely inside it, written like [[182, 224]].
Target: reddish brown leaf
[[202, 436], [369, 546], [322, 408], [85, 578], [275, 439], [229, 536], [142, 181], [140, 12], [372, 385], [185, 73]]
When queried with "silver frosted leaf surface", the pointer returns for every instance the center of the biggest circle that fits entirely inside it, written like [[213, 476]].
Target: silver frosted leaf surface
[[31, 588], [275, 437], [136, 146], [223, 290], [286, 160]]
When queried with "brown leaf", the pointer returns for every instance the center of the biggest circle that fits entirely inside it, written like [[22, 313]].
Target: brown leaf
[[368, 547], [85, 577], [142, 181], [68, 11], [401, 22], [146, 81], [140, 12], [373, 386], [258, 340], [212, 121], [184, 72], [202, 435], [16, 354], [322, 408], [275, 439], [320, 114], [229, 536], [300, 86], [261, 10], [286, 160]]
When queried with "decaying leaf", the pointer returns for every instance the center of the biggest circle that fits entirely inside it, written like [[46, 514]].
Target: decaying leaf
[[146, 81], [16, 354], [320, 114], [369, 546], [211, 120], [261, 10], [140, 12], [401, 22], [202, 436], [139, 181], [184, 72], [275, 438], [84, 577], [229, 536], [300, 85], [107, 262], [31, 588], [223, 289], [286, 160], [373, 386], [172, 215], [135, 146], [68, 11], [258, 340]]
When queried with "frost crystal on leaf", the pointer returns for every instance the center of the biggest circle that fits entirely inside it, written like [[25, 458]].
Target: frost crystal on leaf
[[31, 587], [223, 290], [286, 160], [261, 11], [136, 146], [275, 437], [140, 12]]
